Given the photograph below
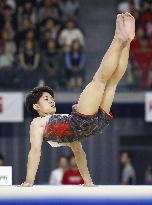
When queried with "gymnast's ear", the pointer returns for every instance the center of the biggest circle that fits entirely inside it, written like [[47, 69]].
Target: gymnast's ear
[[36, 107]]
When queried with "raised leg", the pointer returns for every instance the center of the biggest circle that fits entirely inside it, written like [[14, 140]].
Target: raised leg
[[91, 97], [112, 83], [119, 72]]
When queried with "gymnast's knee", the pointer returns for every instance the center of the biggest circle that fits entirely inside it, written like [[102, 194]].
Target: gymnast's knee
[[100, 79], [98, 82]]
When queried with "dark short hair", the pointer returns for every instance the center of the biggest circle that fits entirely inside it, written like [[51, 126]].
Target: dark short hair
[[34, 96]]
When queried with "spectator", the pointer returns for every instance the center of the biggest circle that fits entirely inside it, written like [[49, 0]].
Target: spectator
[[69, 34], [29, 56], [2, 5], [10, 46], [24, 26], [1, 160], [135, 44], [29, 10], [69, 9], [72, 175], [10, 30], [49, 9], [46, 37], [55, 5], [29, 36], [29, 59], [143, 62], [149, 28], [8, 20], [51, 63], [137, 4], [148, 174], [57, 174], [128, 173], [9, 17], [146, 14], [51, 25], [6, 59], [74, 62], [137, 16], [12, 4], [133, 73], [124, 6]]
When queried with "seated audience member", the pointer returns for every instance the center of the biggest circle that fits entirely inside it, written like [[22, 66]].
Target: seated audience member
[[142, 62], [49, 9], [56, 175], [9, 17], [6, 67], [45, 38], [6, 59], [23, 26], [29, 59], [10, 46], [72, 175], [135, 44], [146, 13], [29, 10], [51, 25], [149, 29], [69, 34], [51, 64], [136, 4], [12, 4], [69, 9], [74, 63]]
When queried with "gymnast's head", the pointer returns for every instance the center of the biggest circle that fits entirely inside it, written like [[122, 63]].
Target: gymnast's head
[[40, 101]]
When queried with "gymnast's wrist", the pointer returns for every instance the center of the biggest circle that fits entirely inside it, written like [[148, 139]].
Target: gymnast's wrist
[[30, 181], [88, 181]]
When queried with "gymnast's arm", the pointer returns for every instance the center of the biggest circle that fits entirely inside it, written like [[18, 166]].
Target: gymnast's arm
[[81, 161], [36, 138]]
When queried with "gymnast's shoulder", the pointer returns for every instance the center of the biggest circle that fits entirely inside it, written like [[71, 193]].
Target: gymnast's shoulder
[[38, 121]]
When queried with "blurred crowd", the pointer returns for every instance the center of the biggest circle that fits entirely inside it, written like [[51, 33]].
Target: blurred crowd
[[140, 65], [41, 43], [67, 173]]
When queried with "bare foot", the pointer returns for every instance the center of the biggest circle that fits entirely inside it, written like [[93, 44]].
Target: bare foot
[[120, 29], [129, 25]]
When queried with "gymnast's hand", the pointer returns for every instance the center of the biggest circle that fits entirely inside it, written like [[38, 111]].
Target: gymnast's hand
[[26, 184], [88, 184]]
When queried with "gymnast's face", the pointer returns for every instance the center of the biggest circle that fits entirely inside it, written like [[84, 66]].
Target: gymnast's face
[[45, 105]]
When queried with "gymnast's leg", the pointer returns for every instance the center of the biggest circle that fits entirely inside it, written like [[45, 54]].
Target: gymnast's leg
[[119, 72], [91, 97]]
